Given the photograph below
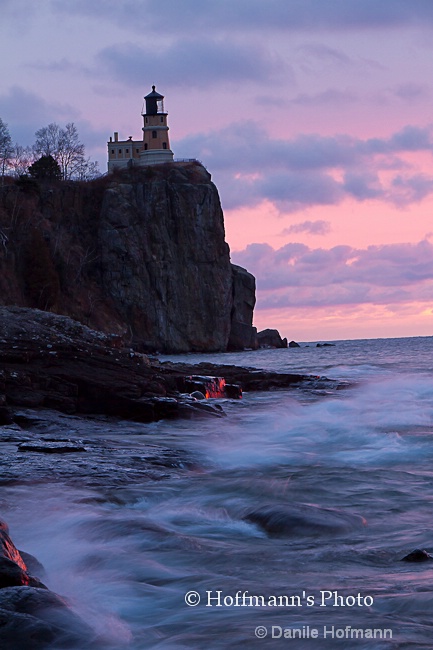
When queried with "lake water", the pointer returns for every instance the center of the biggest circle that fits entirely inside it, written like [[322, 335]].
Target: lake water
[[345, 478]]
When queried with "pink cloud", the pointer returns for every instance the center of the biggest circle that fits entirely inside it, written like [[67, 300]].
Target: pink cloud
[[313, 170], [297, 275], [318, 227]]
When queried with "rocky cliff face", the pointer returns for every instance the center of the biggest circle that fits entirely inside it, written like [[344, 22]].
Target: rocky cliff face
[[242, 334], [141, 254]]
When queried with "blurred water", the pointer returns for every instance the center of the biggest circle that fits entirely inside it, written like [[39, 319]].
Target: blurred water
[[349, 473]]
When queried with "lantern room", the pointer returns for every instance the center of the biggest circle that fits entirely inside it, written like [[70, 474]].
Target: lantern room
[[156, 144]]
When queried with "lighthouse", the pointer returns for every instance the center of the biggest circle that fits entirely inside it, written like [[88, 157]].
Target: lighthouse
[[156, 145], [153, 149]]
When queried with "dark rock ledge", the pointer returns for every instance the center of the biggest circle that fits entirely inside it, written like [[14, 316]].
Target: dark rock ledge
[[32, 616], [54, 362]]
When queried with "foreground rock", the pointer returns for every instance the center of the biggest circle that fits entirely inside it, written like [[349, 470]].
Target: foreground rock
[[52, 447], [303, 520], [418, 555], [31, 616], [50, 361]]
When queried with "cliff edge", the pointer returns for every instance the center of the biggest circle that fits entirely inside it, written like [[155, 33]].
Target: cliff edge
[[140, 253]]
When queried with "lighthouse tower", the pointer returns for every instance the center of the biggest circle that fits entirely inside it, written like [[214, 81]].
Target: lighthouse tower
[[156, 145], [153, 148]]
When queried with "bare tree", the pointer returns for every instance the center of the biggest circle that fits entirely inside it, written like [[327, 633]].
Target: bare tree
[[71, 151], [64, 146], [47, 141], [88, 170], [6, 149], [22, 159]]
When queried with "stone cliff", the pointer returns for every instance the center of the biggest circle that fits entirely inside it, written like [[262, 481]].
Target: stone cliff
[[140, 254]]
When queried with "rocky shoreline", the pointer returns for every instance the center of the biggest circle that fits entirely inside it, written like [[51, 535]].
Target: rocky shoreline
[[53, 362], [57, 379]]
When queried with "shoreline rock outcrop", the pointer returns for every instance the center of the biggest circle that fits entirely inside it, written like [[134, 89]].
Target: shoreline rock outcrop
[[52, 362], [270, 338]]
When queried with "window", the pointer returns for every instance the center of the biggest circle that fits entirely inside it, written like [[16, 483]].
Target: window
[[127, 150], [162, 119], [154, 134], [145, 146], [146, 120], [164, 145], [137, 151], [120, 151], [112, 151]]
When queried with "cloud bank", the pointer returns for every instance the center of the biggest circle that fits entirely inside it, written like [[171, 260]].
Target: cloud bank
[[194, 62], [299, 276], [282, 15], [312, 170]]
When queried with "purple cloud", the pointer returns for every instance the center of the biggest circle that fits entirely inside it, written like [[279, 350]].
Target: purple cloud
[[332, 97], [412, 189], [195, 62], [25, 112], [283, 15], [318, 227], [296, 275], [300, 172], [411, 91], [363, 186]]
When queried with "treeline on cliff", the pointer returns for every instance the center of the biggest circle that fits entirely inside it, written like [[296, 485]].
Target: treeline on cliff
[[57, 152]]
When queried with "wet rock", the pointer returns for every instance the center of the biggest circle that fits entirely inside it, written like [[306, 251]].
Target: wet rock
[[325, 345], [52, 447], [32, 563], [26, 612], [7, 547], [233, 391], [209, 386], [13, 575], [6, 415], [31, 616], [22, 632], [271, 339], [165, 408], [206, 408], [197, 408], [13, 569], [417, 555], [26, 421], [248, 379], [281, 521], [198, 395]]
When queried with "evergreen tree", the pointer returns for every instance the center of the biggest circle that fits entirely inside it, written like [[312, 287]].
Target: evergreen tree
[[46, 168]]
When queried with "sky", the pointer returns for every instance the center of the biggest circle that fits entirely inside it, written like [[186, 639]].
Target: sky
[[313, 117]]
